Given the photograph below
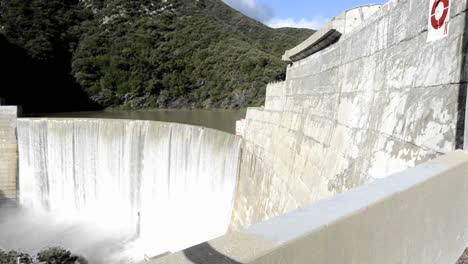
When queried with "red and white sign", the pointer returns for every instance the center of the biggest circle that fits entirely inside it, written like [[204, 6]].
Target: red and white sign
[[438, 22]]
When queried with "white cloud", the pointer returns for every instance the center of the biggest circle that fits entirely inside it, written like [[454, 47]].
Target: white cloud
[[315, 23], [258, 11], [264, 13]]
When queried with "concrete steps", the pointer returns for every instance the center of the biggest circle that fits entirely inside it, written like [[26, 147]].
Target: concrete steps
[[8, 153]]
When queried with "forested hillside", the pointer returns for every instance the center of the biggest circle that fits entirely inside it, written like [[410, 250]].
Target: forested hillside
[[78, 55]]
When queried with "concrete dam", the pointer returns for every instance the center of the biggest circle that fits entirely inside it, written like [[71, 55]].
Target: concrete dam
[[352, 158]]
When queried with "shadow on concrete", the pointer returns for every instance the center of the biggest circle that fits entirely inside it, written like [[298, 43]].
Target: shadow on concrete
[[462, 93], [6, 202], [460, 133], [205, 254], [2, 197]]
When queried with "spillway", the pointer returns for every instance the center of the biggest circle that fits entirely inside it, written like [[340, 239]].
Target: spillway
[[170, 185]]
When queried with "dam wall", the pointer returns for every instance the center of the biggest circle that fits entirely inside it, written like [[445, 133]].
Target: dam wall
[[167, 185], [419, 215], [8, 153], [381, 98]]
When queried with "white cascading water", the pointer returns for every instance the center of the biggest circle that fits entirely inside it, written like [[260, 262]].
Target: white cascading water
[[168, 185]]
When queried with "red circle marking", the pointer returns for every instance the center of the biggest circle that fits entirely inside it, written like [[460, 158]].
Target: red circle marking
[[436, 24]]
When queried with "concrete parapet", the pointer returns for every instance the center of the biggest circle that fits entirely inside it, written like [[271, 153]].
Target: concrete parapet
[[343, 23], [8, 153], [417, 216], [323, 38]]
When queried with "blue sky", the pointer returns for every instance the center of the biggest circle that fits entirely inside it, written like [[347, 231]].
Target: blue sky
[[295, 13]]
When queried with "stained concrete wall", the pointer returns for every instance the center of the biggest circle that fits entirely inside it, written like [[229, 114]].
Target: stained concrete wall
[[380, 100], [8, 153], [416, 216]]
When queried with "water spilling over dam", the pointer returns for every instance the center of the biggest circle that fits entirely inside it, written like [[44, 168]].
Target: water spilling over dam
[[147, 178]]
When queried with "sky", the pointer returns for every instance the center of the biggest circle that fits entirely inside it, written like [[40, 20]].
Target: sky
[[295, 13]]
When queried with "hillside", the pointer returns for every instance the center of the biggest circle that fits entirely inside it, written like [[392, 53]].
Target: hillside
[[168, 53]]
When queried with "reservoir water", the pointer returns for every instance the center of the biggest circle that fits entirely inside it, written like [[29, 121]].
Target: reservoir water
[[223, 120]]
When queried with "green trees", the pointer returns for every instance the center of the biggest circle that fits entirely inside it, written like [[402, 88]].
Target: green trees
[[12, 257], [144, 53], [37, 40], [54, 255]]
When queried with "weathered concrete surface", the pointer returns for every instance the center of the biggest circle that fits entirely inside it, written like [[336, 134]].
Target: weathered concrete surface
[[343, 23], [8, 153], [378, 101], [416, 216]]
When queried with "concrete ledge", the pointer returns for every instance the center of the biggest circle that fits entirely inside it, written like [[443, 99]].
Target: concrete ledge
[[318, 41], [331, 32], [417, 216]]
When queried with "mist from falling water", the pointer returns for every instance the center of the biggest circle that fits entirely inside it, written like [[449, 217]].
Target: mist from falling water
[[30, 231], [126, 188]]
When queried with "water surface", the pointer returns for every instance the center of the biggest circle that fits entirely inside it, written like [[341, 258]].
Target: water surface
[[223, 120]]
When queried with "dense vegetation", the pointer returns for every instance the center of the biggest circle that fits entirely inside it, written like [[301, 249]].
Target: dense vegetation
[[54, 255], [145, 53]]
